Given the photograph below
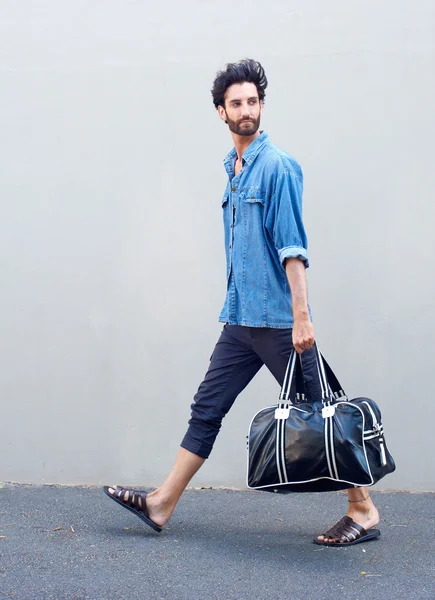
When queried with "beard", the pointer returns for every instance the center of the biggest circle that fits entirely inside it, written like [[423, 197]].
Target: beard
[[243, 126]]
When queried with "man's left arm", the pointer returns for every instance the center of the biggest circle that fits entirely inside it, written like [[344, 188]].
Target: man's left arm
[[303, 331], [291, 243]]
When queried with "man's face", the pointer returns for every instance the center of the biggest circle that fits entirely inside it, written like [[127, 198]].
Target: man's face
[[242, 109]]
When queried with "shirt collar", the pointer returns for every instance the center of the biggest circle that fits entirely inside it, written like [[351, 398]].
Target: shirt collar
[[249, 154]]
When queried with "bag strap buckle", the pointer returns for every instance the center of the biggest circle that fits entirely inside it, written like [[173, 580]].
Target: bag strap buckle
[[282, 412]]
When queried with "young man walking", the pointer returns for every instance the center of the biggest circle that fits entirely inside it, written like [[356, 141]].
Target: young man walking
[[266, 310]]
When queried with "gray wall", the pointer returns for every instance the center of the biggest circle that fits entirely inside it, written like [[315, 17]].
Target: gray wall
[[112, 263]]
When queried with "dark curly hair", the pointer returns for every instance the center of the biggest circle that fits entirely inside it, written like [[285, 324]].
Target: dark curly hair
[[245, 70]]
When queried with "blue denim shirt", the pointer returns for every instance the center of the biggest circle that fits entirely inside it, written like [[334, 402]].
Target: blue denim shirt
[[262, 213]]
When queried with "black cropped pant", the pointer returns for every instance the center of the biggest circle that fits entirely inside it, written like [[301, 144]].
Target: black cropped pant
[[239, 354]]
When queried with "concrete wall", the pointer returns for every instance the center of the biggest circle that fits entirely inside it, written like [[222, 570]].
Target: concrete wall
[[111, 244]]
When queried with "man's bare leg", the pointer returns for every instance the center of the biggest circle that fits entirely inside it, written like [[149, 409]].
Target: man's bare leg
[[161, 502], [361, 509]]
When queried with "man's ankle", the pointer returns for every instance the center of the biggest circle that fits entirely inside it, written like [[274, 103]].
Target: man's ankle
[[366, 500], [159, 496]]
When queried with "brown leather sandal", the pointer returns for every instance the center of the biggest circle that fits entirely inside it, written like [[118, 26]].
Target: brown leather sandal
[[347, 533], [135, 503]]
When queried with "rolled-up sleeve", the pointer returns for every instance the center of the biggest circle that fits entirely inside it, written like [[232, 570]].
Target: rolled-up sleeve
[[286, 225]]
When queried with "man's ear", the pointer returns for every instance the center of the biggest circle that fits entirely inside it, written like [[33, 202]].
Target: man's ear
[[222, 113]]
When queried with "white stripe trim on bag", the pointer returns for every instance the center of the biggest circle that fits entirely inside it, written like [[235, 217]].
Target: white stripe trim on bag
[[288, 378], [277, 453], [329, 422], [372, 437], [331, 433], [328, 459], [283, 465]]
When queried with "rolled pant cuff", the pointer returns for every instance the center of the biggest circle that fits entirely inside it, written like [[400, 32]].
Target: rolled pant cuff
[[199, 448]]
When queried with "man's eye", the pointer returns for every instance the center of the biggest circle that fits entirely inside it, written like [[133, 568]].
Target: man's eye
[[253, 101]]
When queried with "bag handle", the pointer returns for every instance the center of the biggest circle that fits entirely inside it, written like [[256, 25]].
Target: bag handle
[[329, 384], [335, 386], [331, 387], [293, 379], [284, 395]]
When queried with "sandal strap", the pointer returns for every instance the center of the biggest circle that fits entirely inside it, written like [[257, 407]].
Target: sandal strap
[[119, 492], [133, 498], [143, 505], [346, 530]]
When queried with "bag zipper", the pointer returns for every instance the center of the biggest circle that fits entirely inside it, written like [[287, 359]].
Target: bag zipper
[[379, 432]]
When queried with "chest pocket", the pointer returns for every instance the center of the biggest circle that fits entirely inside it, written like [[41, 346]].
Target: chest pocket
[[255, 197]]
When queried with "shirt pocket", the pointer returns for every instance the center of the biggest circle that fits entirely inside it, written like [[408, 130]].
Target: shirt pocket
[[253, 208], [254, 199], [254, 196]]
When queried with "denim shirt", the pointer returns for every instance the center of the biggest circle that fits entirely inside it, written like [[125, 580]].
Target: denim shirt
[[262, 214]]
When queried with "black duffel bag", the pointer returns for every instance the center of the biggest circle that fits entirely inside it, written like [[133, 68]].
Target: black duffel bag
[[328, 444]]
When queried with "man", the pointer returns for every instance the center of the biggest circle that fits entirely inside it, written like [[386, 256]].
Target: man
[[266, 310]]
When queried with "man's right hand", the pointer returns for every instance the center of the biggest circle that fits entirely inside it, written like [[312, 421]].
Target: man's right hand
[[303, 334]]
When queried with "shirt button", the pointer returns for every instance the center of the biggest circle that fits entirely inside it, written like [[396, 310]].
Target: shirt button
[[233, 189]]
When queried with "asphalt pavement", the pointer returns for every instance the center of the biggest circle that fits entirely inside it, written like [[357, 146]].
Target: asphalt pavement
[[74, 543]]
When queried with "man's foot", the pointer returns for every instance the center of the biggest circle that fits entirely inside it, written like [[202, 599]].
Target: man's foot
[[356, 526], [136, 501], [158, 510]]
